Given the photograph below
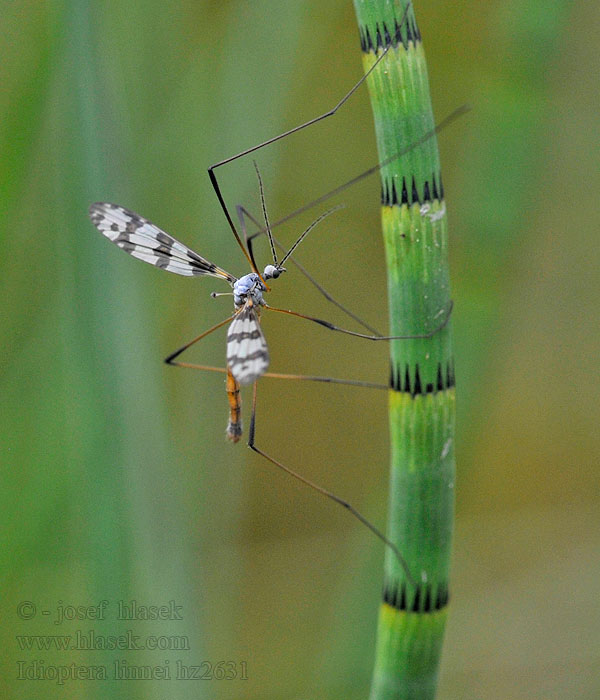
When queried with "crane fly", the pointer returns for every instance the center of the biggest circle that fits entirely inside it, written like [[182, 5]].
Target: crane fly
[[246, 348]]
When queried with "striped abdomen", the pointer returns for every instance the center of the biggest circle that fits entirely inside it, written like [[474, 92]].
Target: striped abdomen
[[234, 428], [247, 353]]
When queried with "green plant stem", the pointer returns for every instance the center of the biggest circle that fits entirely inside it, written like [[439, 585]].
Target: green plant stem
[[412, 619]]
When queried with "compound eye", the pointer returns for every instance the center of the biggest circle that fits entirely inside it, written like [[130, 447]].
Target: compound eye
[[271, 272]]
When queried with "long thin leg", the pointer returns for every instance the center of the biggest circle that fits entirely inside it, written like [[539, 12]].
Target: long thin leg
[[247, 241], [241, 211], [300, 377], [324, 492], [310, 122], [217, 190], [314, 120], [170, 359], [453, 116], [331, 327]]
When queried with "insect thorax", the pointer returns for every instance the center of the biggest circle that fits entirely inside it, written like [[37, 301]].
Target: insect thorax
[[248, 286]]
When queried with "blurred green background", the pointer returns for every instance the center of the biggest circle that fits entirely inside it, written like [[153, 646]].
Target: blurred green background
[[118, 483]]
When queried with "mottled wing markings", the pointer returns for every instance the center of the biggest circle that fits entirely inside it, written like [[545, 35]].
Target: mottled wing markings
[[145, 241], [247, 352]]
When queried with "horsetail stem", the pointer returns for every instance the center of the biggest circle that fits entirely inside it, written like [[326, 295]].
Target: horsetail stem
[[421, 402]]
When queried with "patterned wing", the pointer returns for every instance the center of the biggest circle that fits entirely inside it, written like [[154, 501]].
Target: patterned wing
[[142, 239], [247, 352]]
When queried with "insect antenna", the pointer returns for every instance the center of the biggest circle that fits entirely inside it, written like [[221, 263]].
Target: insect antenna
[[265, 215], [306, 231], [248, 240]]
